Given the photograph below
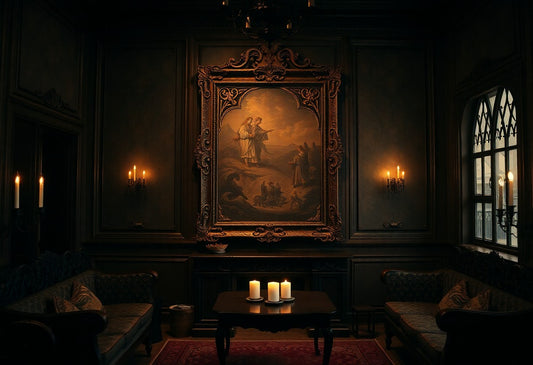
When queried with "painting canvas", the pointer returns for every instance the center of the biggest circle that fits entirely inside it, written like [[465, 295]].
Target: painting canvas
[[269, 159]]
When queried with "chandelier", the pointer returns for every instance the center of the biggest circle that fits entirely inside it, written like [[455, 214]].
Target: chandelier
[[267, 19]]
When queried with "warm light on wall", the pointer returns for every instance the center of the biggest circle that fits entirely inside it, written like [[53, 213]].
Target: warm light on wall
[[134, 181], [396, 184]]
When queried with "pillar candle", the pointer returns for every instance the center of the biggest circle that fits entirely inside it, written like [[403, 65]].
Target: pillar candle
[[500, 193], [273, 291], [255, 289], [398, 171], [510, 179], [17, 192], [285, 289], [41, 192], [134, 172]]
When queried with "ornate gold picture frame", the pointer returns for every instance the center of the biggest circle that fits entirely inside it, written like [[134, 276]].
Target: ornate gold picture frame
[[269, 149]]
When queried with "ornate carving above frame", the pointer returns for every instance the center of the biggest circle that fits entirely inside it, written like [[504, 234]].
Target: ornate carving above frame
[[312, 88]]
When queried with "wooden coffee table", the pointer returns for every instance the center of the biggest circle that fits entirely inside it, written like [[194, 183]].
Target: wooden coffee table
[[309, 309]]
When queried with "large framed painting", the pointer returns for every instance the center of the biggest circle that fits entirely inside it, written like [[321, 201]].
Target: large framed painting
[[269, 149]]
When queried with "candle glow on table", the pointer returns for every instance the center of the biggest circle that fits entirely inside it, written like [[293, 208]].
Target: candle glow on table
[[510, 178], [273, 291], [17, 192], [285, 289], [255, 289], [41, 192]]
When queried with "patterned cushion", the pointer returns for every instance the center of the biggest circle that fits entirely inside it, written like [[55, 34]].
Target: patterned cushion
[[480, 302], [457, 297], [62, 305], [84, 298]]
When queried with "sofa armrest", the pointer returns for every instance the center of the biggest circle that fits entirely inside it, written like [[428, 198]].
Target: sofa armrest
[[412, 286], [27, 342], [126, 288], [75, 333], [485, 336]]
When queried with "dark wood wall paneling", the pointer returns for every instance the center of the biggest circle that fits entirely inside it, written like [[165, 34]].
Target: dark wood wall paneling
[[488, 50], [44, 122], [142, 118], [393, 98]]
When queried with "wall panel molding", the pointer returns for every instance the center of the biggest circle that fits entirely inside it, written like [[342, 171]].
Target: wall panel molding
[[140, 120], [392, 98], [47, 70]]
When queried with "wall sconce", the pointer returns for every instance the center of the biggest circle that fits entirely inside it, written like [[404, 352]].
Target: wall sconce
[[133, 181], [506, 215], [396, 184]]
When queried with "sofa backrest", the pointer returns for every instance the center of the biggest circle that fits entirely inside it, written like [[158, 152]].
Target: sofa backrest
[[48, 269], [42, 301], [499, 300]]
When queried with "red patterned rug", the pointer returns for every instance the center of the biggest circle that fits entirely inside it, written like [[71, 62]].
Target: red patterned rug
[[291, 352]]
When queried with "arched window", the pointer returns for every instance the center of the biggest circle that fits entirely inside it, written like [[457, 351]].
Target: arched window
[[494, 151]]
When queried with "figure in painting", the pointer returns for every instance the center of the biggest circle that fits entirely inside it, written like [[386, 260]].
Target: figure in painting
[[259, 137], [246, 142], [300, 167], [271, 195], [251, 137]]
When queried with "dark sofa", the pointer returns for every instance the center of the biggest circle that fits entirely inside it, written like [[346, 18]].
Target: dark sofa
[[499, 335], [31, 330]]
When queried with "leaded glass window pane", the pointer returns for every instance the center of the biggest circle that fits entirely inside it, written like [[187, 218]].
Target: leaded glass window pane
[[478, 177], [487, 176], [494, 147], [479, 221]]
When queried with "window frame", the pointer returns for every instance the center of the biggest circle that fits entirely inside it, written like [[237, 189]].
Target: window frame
[[493, 119]]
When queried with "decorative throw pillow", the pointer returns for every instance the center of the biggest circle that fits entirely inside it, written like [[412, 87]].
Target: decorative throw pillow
[[480, 302], [84, 298], [457, 297], [62, 305]]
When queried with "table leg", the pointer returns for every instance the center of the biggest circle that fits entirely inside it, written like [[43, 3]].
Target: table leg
[[317, 350], [221, 339], [328, 344]]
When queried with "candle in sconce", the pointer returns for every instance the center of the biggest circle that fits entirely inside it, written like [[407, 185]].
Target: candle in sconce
[[255, 289], [273, 291], [17, 192], [41, 192], [144, 175], [510, 178], [398, 171], [285, 290], [403, 175], [135, 172], [129, 175], [500, 192]]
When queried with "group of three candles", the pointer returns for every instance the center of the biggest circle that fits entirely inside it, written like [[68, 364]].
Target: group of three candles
[[277, 292]]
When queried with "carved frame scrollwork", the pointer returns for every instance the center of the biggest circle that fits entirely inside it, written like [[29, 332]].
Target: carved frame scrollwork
[[222, 89]]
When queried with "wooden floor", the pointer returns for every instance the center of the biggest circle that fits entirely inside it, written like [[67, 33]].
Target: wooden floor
[[396, 353]]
